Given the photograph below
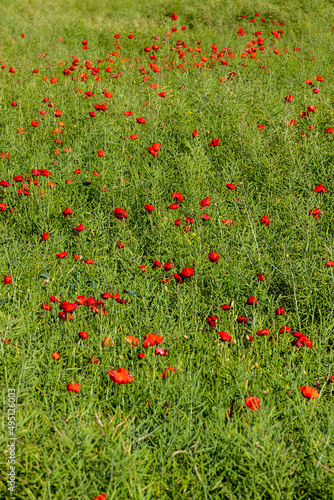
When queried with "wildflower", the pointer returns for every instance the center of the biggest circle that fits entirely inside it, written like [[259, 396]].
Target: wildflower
[[309, 392], [120, 376], [225, 336], [73, 387], [213, 257], [253, 403]]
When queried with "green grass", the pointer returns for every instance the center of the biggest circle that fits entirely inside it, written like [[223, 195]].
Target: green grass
[[189, 435]]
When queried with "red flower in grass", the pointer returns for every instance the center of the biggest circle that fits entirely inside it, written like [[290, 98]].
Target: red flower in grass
[[309, 392], [46, 307], [213, 257], [168, 371], [100, 153], [242, 319], [119, 213], [61, 255], [264, 331], [289, 98], [225, 307], [211, 320], [205, 202], [73, 387], [101, 497], [174, 206], [329, 130], [56, 355], [79, 228], [187, 272], [141, 120], [156, 264], [195, 132], [330, 264], [230, 186], [253, 403], [215, 142], [177, 196], [279, 311], [312, 109], [260, 277], [120, 376], [67, 212], [44, 236], [149, 208], [265, 220], [225, 336], [320, 189], [284, 329], [83, 334], [251, 300], [154, 149], [168, 266]]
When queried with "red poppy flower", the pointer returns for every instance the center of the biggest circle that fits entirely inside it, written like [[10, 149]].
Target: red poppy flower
[[79, 228], [225, 307], [143, 268], [141, 355], [53, 80], [189, 220], [187, 272], [195, 132], [130, 36], [264, 331], [154, 149], [162, 94], [279, 311], [309, 392], [265, 220], [292, 122], [330, 264], [178, 278], [211, 320], [73, 387], [174, 206], [329, 130], [34, 124], [320, 189], [83, 334], [319, 78], [156, 264], [3, 207], [225, 336], [67, 212], [242, 319], [253, 403], [89, 261], [149, 208], [289, 98], [61, 255], [120, 245], [174, 17], [205, 202], [213, 257], [4, 183], [100, 153], [312, 109], [119, 213], [284, 329], [45, 236], [46, 307], [316, 212], [127, 113], [168, 266], [141, 120], [168, 371], [121, 376], [251, 300], [316, 91], [230, 186], [56, 355], [215, 142]]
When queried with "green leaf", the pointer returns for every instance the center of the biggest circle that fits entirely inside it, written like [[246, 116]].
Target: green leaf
[[45, 276]]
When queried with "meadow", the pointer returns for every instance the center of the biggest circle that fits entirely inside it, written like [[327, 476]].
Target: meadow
[[167, 258]]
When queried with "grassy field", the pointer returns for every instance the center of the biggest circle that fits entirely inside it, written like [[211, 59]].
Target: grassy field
[[257, 84]]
